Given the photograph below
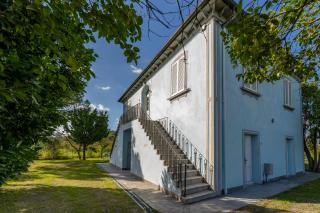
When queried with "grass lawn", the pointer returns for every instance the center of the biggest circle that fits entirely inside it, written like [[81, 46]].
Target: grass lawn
[[64, 186], [305, 198]]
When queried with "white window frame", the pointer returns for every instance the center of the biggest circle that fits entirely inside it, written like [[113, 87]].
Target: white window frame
[[287, 92], [252, 87], [180, 61]]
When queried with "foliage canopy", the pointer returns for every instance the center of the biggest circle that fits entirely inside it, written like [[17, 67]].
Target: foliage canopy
[[275, 38], [45, 64], [311, 124]]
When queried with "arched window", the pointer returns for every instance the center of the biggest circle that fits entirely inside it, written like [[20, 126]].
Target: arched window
[[145, 98]]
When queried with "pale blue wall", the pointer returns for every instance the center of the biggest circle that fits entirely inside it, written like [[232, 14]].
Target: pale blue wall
[[245, 112]]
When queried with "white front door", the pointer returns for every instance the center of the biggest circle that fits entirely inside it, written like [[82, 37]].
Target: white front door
[[248, 159]]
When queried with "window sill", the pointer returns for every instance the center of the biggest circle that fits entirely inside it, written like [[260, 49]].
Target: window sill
[[179, 94], [250, 92], [288, 107]]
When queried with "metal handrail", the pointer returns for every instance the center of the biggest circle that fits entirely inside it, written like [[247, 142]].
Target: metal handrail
[[129, 115], [166, 148], [161, 142], [192, 152], [115, 137]]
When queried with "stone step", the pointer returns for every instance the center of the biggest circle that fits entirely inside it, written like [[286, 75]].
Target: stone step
[[190, 173], [192, 180], [189, 167], [176, 154], [195, 197], [165, 145], [183, 161], [195, 188], [163, 150]]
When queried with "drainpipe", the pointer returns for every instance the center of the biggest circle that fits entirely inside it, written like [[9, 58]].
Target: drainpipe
[[225, 186], [219, 70], [207, 28]]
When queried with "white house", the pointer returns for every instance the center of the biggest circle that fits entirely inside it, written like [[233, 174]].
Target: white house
[[192, 128]]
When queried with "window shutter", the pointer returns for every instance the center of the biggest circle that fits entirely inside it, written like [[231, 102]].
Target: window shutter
[[252, 87], [181, 75], [285, 92], [174, 78], [289, 93]]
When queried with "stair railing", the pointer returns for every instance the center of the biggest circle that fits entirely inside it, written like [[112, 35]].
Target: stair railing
[[164, 146], [130, 114], [166, 149], [192, 152]]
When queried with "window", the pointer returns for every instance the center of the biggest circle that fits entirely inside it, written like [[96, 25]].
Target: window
[[252, 87], [148, 101], [287, 92], [178, 76]]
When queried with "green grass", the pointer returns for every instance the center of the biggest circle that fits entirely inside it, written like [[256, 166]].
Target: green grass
[[64, 186], [304, 198]]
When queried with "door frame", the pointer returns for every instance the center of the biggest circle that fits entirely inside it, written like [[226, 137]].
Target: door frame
[[258, 156], [125, 150], [290, 140]]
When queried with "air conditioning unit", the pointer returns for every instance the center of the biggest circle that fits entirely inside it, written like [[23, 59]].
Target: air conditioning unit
[[267, 171]]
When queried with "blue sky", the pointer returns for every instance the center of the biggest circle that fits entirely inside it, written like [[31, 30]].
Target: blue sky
[[114, 74]]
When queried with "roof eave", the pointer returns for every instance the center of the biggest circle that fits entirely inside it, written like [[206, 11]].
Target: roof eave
[[173, 38]]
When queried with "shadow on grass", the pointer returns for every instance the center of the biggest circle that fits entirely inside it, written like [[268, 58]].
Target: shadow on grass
[[306, 193], [66, 199], [260, 209], [73, 170]]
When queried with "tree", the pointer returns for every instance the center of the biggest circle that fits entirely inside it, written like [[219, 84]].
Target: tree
[[86, 126], [44, 66], [106, 143], [275, 38], [311, 124]]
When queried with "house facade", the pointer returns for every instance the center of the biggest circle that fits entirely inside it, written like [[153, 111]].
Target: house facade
[[190, 127]]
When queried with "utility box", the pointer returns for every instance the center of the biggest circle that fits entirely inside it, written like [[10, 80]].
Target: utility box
[[268, 169]]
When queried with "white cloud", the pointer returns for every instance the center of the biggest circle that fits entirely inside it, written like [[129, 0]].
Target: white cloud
[[60, 131], [99, 107], [116, 121], [104, 88], [135, 69]]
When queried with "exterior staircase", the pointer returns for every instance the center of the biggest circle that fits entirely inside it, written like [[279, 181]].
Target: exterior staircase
[[190, 171], [186, 176]]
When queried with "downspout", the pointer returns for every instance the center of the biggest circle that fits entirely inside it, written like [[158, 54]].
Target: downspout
[[207, 93], [219, 68], [301, 123], [218, 106], [224, 176]]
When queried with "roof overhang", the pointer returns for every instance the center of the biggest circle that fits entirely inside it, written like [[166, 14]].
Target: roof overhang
[[222, 10]]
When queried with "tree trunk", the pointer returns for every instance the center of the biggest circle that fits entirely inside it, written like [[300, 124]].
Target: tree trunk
[[308, 154], [79, 152], [306, 150], [318, 164], [315, 152], [84, 148]]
